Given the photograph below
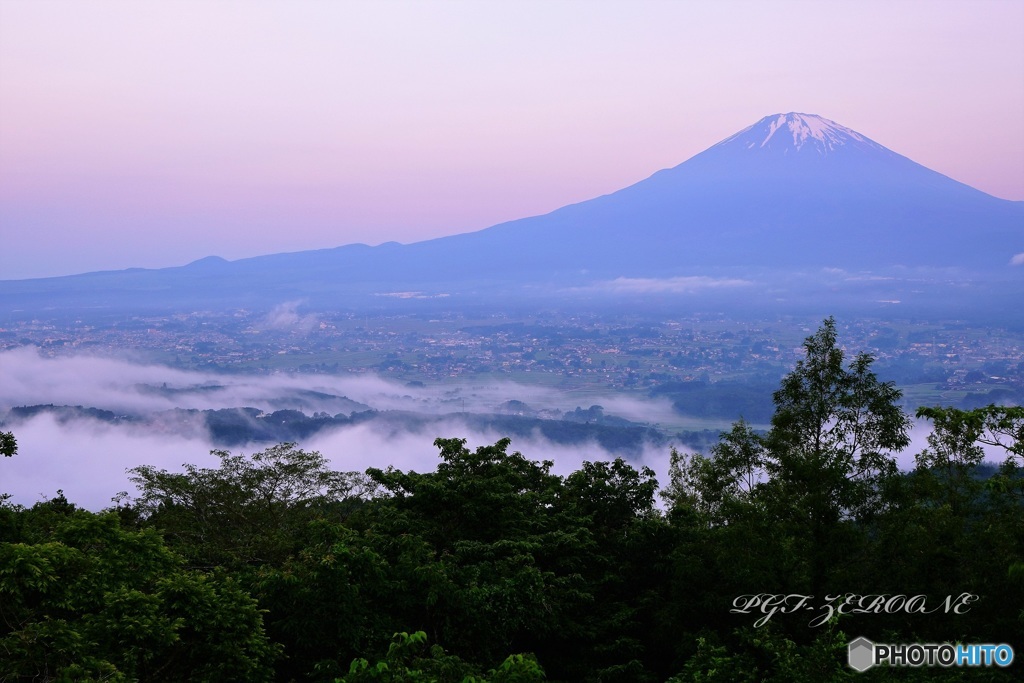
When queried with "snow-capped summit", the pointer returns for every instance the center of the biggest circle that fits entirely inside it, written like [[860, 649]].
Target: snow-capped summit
[[795, 132]]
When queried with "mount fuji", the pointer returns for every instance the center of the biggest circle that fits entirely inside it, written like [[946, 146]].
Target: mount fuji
[[790, 190], [793, 192]]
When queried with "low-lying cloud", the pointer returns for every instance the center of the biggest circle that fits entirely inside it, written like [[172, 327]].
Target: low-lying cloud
[[286, 317], [671, 285], [27, 378], [87, 458]]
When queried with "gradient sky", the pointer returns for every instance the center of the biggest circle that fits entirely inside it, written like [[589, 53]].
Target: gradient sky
[[154, 134]]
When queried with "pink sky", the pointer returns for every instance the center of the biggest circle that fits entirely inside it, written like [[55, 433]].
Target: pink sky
[[146, 134]]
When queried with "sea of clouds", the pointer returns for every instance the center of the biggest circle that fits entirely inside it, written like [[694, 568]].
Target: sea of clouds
[[88, 459]]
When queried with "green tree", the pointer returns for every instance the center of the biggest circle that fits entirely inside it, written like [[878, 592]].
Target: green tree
[[625, 567], [947, 467], [81, 598], [830, 452], [250, 510], [8, 445], [961, 433], [611, 495], [334, 599], [953, 505], [719, 485], [827, 455], [790, 510], [493, 520], [728, 540], [767, 655], [834, 433], [408, 659], [520, 559]]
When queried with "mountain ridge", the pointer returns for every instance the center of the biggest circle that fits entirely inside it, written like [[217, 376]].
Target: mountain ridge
[[791, 191]]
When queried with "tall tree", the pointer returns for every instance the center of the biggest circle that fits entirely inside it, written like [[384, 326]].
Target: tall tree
[[830, 449], [812, 482], [834, 432]]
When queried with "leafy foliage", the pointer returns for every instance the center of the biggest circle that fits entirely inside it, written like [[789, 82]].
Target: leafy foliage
[[406, 661], [85, 599], [249, 510], [8, 444]]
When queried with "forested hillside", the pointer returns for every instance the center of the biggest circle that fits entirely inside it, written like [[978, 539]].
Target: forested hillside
[[494, 568]]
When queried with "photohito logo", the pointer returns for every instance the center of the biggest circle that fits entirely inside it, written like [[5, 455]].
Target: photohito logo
[[862, 654]]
